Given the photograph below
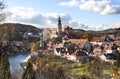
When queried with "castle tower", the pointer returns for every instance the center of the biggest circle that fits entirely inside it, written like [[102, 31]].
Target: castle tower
[[59, 26]]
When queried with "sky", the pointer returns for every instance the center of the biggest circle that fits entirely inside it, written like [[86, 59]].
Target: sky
[[78, 14]]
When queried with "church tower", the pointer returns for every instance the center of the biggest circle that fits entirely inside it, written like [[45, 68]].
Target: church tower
[[59, 26]]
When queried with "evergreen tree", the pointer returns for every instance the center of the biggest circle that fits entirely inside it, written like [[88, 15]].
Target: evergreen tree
[[4, 67], [29, 72], [4, 63]]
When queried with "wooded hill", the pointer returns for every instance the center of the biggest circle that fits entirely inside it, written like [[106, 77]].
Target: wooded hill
[[15, 31]]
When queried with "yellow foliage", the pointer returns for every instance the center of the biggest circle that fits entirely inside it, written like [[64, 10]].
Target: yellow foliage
[[118, 49], [34, 46], [115, 72]]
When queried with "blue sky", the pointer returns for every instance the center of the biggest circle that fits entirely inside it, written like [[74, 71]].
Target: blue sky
[[83, 14]]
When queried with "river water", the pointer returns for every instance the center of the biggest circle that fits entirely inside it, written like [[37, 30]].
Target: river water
[[15, 67]]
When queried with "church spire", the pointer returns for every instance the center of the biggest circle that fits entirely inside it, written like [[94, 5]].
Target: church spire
[[59, 20], [59, 26]]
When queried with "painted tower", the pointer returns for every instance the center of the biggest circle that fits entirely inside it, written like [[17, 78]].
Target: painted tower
[[59, 26]]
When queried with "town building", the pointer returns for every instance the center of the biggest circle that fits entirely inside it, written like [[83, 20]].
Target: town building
[[50, 33]]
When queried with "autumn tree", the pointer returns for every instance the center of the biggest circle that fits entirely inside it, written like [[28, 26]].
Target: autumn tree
[[96, 69], [2, 18]]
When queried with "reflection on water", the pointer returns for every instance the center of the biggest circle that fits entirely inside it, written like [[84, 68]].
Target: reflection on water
[[15, 67]]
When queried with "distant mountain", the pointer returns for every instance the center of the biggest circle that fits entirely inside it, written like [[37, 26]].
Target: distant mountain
[[112, 31], [15, 31], [79, 30], [115, 30]]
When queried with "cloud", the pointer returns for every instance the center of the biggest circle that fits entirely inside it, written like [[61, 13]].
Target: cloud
[[98, 27], [30, 16], [46, 20], [115, 9], [20, 14], [117, 24], [104, 7], [79, 25], [93, 5], [71, 3]]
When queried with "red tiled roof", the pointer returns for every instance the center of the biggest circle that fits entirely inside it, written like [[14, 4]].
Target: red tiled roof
[[94, 39], [78, 40]]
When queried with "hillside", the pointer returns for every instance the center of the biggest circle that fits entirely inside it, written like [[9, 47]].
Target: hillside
[[15, 31]]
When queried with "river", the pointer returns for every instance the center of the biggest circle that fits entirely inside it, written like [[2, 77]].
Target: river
[[15, 67]]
